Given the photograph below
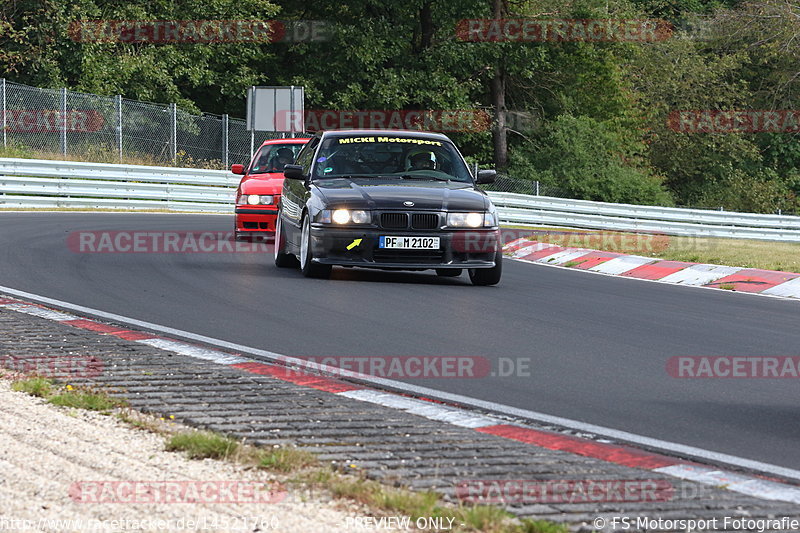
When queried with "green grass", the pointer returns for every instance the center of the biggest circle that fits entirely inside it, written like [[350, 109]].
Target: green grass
[[99, 154], [67, 396], [40, 387], [286, 459], [727, 286], [16, 151], [86, 399], [542, 526], [209, 444], [203, 444], [570, 264]]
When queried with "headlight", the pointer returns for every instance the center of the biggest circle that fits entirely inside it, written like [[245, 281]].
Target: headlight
[[341, 216], [255, 199], [465, 220], [490, 219], [360, 217], [345, 216]]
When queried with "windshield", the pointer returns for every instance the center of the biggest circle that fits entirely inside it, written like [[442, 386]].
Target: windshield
[[273, 157], [385, 155]]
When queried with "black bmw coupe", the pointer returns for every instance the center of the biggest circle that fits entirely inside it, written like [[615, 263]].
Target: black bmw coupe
[[396, 200]]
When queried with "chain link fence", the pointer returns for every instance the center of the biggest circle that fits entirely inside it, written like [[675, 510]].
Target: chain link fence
[[59, 122]]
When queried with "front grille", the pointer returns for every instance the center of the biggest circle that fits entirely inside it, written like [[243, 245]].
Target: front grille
[[394, 220], [424, 221], [408, 256]]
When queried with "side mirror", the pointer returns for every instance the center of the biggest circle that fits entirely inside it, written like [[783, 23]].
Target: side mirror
[[293, 172], [486, 176], [237, 169]]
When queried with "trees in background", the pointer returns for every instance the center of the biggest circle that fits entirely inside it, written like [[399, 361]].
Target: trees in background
[[595, 114]]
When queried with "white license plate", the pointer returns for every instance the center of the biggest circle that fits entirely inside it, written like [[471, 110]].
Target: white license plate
[[410, 243]]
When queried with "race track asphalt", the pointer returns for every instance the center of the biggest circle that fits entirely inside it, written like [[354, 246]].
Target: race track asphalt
[[597, 345]]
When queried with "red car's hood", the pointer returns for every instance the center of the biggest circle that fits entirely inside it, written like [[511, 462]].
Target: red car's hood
[[270, 183]]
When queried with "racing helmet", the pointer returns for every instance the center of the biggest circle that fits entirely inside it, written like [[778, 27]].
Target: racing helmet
[[421, 159], [286, 154]]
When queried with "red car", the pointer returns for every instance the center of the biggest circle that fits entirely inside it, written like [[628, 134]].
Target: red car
[[260, 189]]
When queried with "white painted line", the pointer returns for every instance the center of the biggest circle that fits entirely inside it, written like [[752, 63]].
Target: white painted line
[[674, 448], [620, 265], [760, 488], [700, 274], [564, 256], [41, 313], [443, 413], [788, 289], [194, 351]]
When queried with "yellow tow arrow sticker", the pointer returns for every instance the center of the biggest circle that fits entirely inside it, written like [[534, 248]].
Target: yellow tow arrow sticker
[[353, 244]]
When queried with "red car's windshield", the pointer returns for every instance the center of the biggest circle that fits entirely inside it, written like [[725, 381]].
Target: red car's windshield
[[273, 157]]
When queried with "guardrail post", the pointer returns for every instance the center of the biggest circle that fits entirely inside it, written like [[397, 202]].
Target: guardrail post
[[64, 121], [225, 141], [119, 126], [3, 109], [174, 132], [537, 187]]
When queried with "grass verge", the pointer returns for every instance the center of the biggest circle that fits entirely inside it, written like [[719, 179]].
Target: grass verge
[[67, 395], [377, 496], [308, 474]]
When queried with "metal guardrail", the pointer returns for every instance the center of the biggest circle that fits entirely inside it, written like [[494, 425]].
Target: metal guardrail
[[32, 183], [543, 210], [37, 183]]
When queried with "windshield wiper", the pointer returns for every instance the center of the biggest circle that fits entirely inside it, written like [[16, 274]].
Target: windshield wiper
[[413, 177]]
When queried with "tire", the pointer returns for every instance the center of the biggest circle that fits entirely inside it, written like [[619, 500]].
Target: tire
[[282, 259], [488, 276], [448, 272], [308, 267]]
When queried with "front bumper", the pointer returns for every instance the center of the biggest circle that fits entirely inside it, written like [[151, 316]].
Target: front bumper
[[256, 219], [457, 248]]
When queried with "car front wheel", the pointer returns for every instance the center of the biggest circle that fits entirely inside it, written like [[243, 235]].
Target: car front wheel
[[308, 267], [282, 259], [488, 276]]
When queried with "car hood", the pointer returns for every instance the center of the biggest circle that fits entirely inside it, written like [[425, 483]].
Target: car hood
[[262, 184], [374, 193]]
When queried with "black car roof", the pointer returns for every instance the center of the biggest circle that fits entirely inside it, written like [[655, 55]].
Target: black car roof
[[393, 133]]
